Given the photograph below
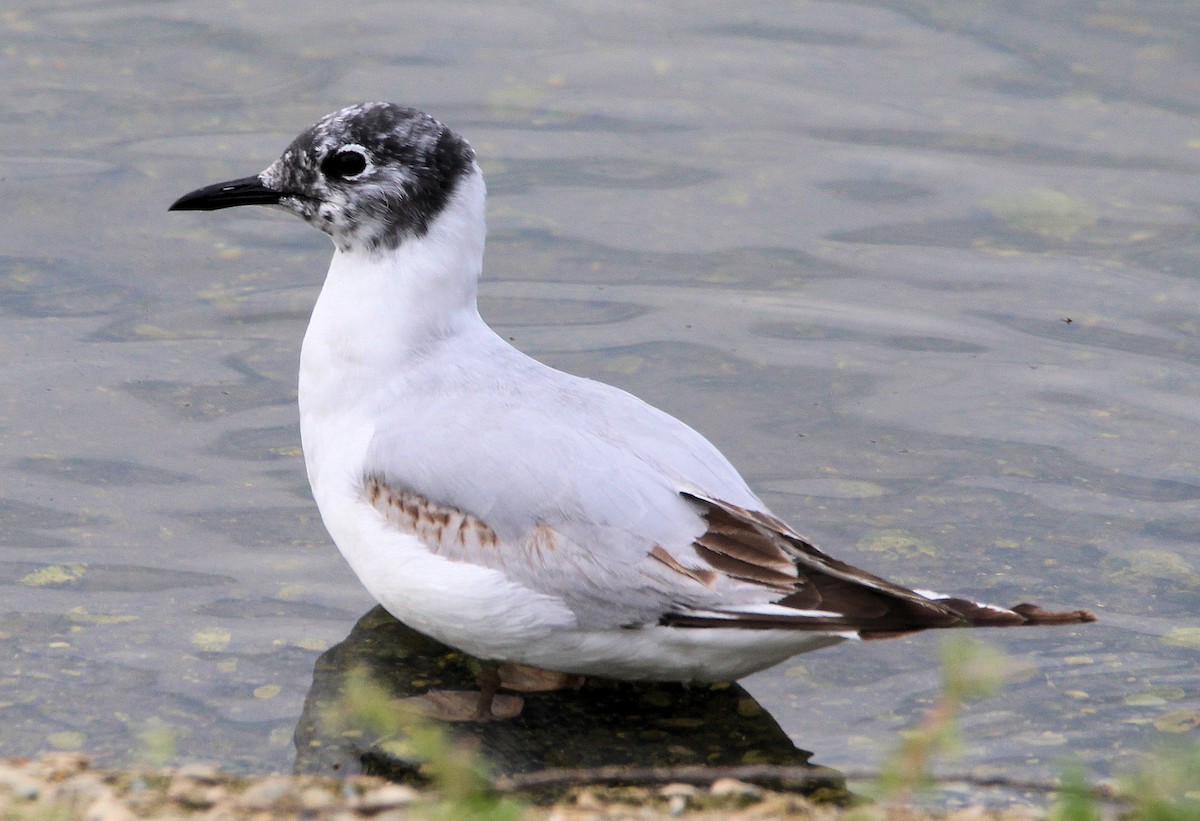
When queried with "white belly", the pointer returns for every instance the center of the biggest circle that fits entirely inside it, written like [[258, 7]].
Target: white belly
[[658, 653], [483, 613]]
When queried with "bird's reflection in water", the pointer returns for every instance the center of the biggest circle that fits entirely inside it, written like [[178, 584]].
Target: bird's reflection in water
[[598, 723]]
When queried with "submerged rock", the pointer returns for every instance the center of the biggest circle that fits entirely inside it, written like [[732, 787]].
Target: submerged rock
[[597, 723]]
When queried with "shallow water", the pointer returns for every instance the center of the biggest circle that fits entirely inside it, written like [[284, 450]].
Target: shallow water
[[927, 272]]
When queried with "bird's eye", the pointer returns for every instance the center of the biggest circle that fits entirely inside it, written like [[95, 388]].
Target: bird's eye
[[345, 163]]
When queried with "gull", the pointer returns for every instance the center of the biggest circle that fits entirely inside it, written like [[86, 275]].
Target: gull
[[510, 510]]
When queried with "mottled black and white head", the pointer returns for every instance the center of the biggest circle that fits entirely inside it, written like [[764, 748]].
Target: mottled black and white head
[[371, 176]]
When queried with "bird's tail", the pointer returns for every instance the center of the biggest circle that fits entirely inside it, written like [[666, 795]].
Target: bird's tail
[[975, 614]]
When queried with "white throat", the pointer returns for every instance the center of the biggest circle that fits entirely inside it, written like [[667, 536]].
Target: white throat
[[382, 304]]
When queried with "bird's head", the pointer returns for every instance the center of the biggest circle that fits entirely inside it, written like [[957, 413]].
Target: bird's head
[[370, 176]]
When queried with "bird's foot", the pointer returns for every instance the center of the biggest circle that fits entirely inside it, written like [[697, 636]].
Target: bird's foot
[[522, 678], [489, 681]]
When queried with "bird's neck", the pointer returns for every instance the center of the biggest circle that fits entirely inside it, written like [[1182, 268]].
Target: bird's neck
[[376, 308]]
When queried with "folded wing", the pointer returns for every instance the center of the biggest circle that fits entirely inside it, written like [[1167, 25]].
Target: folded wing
[[746, 569], [813, 591]]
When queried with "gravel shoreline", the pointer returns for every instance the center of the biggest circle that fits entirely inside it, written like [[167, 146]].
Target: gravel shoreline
[[64, 786]]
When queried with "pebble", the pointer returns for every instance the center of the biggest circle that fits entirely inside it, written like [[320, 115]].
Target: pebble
[[731, 786], [196, 796], [345, 815], [59, 766], [387, 797], [266, 794], [205, 773], [587, 800], [81, 790], [314, 799], [677, 796], [685, 790], [107, 808], [19, 784]]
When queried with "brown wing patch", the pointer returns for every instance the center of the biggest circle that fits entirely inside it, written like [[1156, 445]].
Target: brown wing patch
[[746, 540], [706, 577], [542, 539], [452, 533], [756, 547], [439, 527], [750, 571], [831, 593]]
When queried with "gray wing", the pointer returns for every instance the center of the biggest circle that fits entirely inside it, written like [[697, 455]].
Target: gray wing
[[579, 490], [573, 486]]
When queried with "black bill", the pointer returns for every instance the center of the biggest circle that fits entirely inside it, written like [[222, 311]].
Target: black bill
[[246, 191]]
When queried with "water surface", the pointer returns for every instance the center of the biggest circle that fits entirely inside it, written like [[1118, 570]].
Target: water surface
[[926, 271]]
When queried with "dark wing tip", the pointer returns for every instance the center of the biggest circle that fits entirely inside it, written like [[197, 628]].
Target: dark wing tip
[[1036, 615], [756, 547], [975, 614]]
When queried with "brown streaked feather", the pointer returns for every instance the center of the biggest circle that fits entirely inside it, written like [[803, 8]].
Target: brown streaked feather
[[722, 562], [821, 582], [748, 545], [839, 595], [437, 526], [798, 549], [735, 546], [757, 545], [706, 577]]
